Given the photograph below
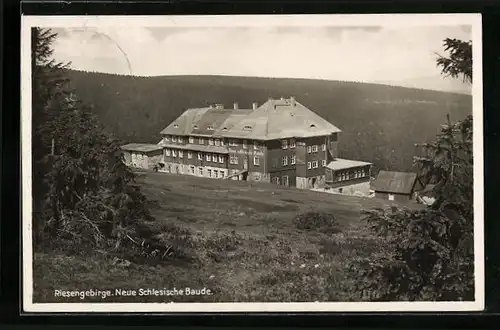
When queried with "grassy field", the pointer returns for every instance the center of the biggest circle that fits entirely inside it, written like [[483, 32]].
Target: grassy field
[[238, 239], [380, 124]]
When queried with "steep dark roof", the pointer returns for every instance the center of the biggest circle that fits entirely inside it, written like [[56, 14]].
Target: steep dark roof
[[275, 119], [394, 182]]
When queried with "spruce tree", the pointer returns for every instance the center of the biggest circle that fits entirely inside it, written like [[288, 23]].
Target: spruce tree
[[429, 252]]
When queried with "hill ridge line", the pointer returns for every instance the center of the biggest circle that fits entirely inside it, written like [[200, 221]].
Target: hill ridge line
[[381, 84]]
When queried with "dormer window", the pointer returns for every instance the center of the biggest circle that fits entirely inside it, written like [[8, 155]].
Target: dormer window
[[176, 126], [210, 128], [224, 129], [195, 127], [312, 126], [247, 128]]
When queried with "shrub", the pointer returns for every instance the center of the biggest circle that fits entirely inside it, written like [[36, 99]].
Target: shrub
[[313, 220]]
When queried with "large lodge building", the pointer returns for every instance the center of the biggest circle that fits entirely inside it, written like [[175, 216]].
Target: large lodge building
[[281, 142]]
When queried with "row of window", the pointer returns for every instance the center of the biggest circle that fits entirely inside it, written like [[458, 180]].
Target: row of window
[[283, 181], [351, 175], [314, 148], [233, 159], [315, 164], [211, 142], [208, 157], [284, 160], [285, 144], [211, 173]]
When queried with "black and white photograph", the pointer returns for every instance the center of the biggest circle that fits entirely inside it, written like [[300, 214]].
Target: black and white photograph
[[252, 163]]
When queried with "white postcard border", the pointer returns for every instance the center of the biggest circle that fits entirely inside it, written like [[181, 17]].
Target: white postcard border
[[384, 20]]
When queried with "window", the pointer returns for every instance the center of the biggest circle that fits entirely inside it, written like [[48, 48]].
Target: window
[[233, 159], [211, 142], [180, 139], [292, 143], [285, 180], [315, 148], [174, 153], [221, 159], [169, 168], [284, 144], [191, 139], [191, 169], [190, 155], [309, 166], [292, 160], [256, 161], [323, 162], [284, 160], [390, 197], [222, 143], [315, 164], [214, 158], [245, 144], [200, 156], [323, 147], [167, 138], [201, 141], [216, 173], [167, 152], [181, 154], [232, 142], [356, 174], [363, 173], [217, 142], [200, 170], [210, 128], [255, 145], [208, 157], [308, 149], [209, 171], [174, 138]]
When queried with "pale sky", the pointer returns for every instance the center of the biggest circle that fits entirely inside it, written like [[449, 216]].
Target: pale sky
[[400, 56]]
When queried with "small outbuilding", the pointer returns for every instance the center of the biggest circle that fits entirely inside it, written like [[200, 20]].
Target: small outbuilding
[[396, 186], [141, 155]]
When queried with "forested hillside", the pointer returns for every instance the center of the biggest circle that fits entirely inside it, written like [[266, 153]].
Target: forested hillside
[[380, 123]]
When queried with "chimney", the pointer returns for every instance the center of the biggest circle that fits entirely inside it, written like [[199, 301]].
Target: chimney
[[292, 100], [235, 105], [254, 105]]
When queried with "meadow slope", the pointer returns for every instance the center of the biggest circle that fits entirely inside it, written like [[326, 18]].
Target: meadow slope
[[238, 239], [380, 123]]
